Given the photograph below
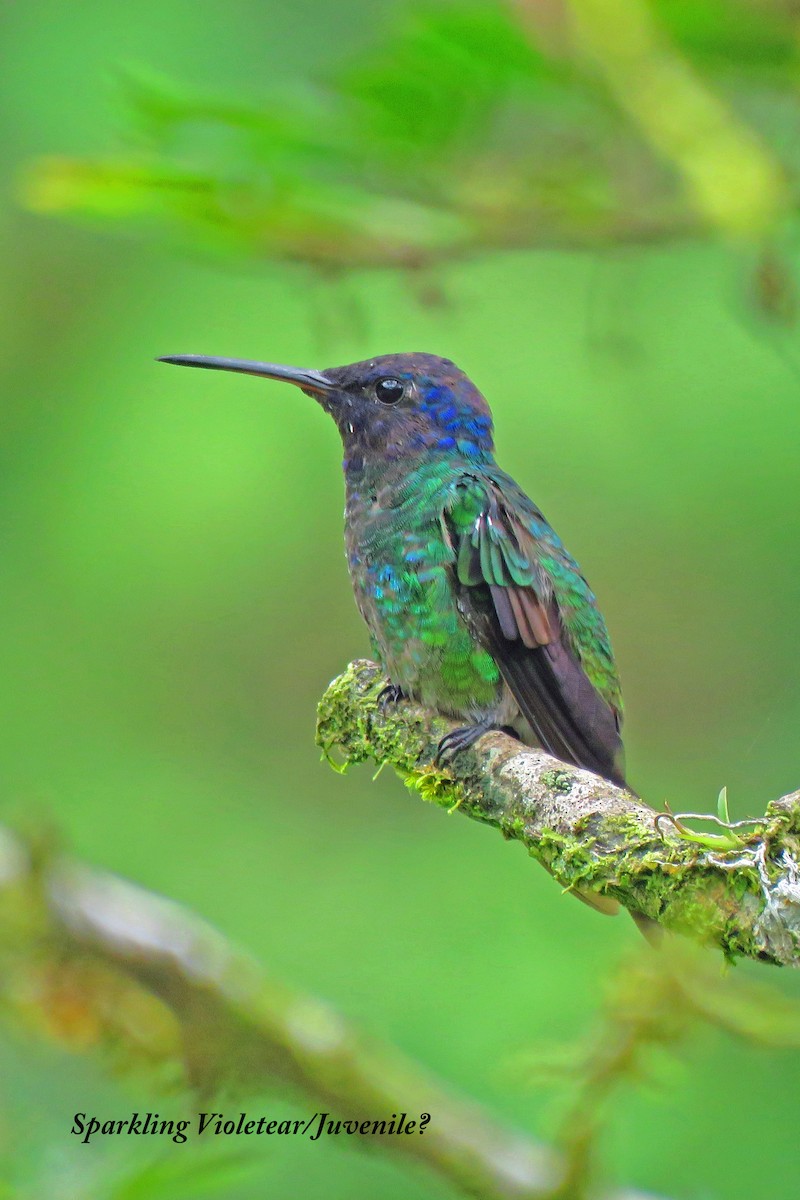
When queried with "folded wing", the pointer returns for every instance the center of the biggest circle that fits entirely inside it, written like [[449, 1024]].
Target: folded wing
[[526, 600]]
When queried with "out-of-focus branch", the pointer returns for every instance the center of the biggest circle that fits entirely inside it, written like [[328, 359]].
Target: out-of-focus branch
[[652, 1002], [732, 182], [471, 129], [101, 962], [738, 889]]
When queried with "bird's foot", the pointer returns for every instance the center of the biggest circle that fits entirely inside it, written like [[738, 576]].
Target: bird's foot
[[391, 694], [460, 739]]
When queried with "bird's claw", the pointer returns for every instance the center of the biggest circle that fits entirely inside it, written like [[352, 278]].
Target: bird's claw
[[392, 693], [457, 740]]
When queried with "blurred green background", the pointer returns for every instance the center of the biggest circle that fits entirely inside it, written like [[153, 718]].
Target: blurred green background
[[175, 599]]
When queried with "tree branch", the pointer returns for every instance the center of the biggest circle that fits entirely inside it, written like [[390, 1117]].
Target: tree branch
[[100, 962], [738, 890]]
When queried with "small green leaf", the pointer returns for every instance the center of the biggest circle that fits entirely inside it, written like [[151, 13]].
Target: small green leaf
[[722, 806]]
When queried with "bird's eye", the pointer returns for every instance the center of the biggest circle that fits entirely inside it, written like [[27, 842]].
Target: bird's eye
[[390, 390]]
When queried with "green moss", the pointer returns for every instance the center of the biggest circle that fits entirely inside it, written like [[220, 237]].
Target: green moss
[[647, 876], [626, 827], [558, 781], [621, 854], [351, 722], [570, 860], [435, 788]]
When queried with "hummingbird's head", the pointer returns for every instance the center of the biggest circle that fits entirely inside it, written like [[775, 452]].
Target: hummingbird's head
[[394, 406]]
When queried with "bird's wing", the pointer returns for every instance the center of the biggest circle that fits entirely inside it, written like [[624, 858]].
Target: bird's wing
[[535, 613]]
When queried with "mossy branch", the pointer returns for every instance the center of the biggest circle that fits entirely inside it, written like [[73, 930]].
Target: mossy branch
[[103, 964], [739, 890]]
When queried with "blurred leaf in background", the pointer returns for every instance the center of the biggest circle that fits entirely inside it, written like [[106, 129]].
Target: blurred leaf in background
[[470, 127]]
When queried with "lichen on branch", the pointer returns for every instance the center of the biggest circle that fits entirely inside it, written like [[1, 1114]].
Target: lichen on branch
[[742, 895]]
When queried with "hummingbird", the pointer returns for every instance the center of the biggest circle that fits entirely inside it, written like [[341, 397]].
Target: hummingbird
[[474, 606]]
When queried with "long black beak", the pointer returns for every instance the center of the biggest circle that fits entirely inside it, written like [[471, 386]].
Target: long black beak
[[309, 381]]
